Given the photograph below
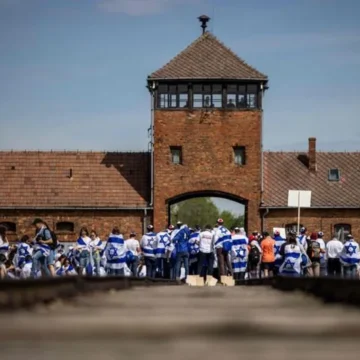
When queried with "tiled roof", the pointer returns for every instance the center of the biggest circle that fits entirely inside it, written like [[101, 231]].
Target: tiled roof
[[207, 58], [42, 179], [285, 171]]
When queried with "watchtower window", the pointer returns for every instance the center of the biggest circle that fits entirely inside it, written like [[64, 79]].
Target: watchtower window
[[172, 96], [207, 95], [242, 96], [239, 155], [176, 154]]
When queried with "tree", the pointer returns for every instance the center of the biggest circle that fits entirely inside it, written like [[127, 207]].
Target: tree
[[198, 211], [231, 220], [202, 211]]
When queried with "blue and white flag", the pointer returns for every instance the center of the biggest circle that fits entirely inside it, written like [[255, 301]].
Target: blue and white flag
[[292, 261], [223, 238], [115, 252], [350, 254], [161, 242], [239, 252], [148, 244]]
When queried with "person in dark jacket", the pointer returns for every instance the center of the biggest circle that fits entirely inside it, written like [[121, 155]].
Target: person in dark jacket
[[181, 242]]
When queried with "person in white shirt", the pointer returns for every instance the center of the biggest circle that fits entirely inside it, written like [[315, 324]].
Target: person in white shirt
[[206, 254], [133, 246], [83, 246], [323, 258], [334, 248], [96, 247]]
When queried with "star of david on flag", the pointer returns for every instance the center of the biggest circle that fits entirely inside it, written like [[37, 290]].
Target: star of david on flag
[[240, 253], [350, 249], [113, 252], [164, 238], [23, 251], [289, 264], [223, 230]]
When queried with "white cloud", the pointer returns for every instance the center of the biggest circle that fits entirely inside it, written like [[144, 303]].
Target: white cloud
[[140, 7]]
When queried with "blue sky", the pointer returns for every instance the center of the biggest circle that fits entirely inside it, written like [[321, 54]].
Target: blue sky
[[73, 72]]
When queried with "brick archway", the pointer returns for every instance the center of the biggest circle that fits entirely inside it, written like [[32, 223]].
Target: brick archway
[[207, 193]]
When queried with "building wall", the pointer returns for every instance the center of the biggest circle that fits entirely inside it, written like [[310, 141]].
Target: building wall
[[102, 221], [207, 139], [316, 220]]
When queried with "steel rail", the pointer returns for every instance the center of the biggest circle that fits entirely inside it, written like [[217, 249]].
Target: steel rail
[[16, 294]]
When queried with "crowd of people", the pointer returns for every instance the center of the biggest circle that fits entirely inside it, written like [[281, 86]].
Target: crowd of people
[[179, 251]]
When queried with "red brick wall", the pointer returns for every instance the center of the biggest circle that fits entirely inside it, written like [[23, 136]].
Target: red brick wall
[[315, 220], [101, 221], [207, 141]]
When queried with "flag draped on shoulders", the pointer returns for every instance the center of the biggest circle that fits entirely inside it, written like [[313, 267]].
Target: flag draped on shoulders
[[115, 252]]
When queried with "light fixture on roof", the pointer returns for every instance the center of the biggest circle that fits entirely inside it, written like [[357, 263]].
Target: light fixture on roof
[[70, 174], [204, 19]]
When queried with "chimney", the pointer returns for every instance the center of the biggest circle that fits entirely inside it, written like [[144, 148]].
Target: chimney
[[312, 154]]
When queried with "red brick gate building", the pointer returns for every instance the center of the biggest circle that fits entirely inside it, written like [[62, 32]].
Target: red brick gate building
[[207, 140]]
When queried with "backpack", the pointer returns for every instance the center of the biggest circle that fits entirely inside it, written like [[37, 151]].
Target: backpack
[[254, 255], [54, 239], [314, 251]]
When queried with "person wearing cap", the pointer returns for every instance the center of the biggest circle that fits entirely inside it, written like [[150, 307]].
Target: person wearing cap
[[162, 241], [334, 248], [302, 238], [170, 256], [148, 244], [239, 253], [323, 259], [42, 258], [314, 252], [180, 237], [279, 241], [350, 258], [223, 243], [194, 250]]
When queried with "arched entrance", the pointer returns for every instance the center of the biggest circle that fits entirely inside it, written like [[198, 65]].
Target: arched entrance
[[212, 195]]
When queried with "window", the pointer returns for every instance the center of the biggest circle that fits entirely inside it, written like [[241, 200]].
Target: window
[[10, 226], [242, 96], [65, 226], [292, 227], [239, 155], [176, 154], [207, 95], [344, 229], [172, 96], [334, 175]]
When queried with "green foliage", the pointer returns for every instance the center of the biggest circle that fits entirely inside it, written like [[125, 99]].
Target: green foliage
[[202, 211]]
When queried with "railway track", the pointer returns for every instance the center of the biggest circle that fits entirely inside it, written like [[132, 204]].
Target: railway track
[[17, 294], [252, 320]]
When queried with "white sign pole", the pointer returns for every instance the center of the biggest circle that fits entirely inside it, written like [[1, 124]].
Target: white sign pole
[[298, 222]]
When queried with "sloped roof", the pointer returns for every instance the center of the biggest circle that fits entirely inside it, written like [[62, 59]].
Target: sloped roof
[[207, 58], [285, 171], [99, 179]]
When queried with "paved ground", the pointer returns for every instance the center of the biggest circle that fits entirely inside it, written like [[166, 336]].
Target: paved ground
[[183, 323]]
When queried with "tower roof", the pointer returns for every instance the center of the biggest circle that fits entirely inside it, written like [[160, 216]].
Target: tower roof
[[207, 58]]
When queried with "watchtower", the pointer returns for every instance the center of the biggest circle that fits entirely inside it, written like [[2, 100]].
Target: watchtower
[[207, 128]]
